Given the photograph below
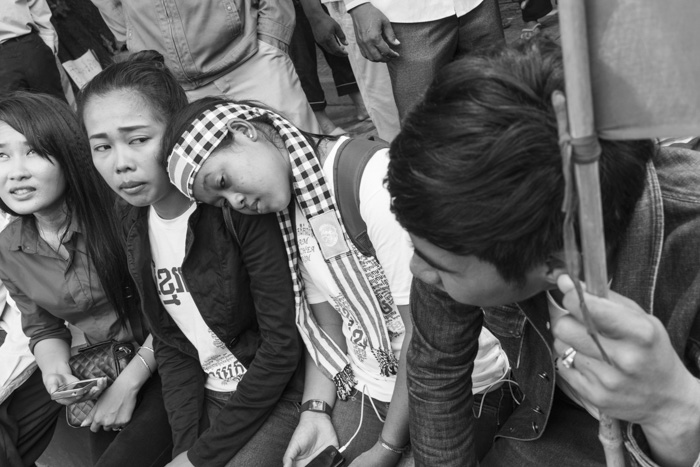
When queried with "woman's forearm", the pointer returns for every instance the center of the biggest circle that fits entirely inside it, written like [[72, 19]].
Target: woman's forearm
[[52, 356]]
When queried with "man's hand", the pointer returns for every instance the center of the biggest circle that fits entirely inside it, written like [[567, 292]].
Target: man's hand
[[374, 33], [328, 34], [647, 383], [314, 433]]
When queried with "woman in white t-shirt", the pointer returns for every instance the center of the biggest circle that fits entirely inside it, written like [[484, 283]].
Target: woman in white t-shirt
[[352, 309]]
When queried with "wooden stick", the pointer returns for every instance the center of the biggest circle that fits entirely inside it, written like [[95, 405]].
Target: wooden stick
[[572, 20]]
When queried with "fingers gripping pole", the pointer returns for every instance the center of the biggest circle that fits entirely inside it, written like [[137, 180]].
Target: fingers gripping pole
[[572, 17]]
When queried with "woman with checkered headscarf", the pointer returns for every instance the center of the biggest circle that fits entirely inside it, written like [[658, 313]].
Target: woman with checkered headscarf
[[351, 307]]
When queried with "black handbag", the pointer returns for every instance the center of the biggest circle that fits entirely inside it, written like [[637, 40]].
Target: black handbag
[[104, 359]]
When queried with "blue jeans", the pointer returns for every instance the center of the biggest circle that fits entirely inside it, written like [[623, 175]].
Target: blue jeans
[[268, 445], [427, 47]]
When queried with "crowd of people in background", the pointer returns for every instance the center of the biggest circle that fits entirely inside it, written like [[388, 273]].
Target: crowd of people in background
[[296, 295]]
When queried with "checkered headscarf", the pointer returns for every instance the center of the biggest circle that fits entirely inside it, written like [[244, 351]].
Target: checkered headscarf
[[367, 301]]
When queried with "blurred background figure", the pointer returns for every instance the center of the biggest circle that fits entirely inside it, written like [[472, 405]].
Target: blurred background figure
[[28, 46], [302, 51]]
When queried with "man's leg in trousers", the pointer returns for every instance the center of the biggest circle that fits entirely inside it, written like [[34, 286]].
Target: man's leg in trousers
[[268, 77], [302, 51], [425, 48], [28, 64], [481, 27], [372, 79]]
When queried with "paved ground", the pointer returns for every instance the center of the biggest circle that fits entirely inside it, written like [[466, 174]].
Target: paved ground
[[73, 451]]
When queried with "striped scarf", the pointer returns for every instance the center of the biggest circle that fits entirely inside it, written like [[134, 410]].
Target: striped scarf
[[365, 296]]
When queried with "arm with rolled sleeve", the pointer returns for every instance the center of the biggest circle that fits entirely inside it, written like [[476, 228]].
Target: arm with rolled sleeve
[[278, 354], [37, 323], [276, 19], [440, 364]]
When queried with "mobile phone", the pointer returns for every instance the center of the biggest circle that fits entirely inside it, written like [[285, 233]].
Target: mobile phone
[[329, 457], [74, 389]]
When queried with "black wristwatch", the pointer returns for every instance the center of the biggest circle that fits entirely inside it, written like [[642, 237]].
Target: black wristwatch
[[315, 405]]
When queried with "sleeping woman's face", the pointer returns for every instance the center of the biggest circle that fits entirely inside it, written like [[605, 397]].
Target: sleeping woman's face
[[251, 174], [30, 183]]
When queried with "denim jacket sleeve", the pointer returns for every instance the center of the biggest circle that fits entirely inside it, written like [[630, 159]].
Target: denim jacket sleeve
[[440, 364], [279, 352], [638, 449], [276, 19]]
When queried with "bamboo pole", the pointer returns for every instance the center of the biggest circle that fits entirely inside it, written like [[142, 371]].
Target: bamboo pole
[[572, 20]]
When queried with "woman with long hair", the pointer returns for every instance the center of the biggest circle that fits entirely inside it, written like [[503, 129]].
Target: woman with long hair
[[62, 260]]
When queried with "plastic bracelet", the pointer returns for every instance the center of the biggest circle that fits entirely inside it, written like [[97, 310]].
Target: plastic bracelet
[[147, 348], [391, 447], [148, 367]]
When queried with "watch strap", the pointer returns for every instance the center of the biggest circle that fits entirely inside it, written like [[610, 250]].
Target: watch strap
[[315, 405]]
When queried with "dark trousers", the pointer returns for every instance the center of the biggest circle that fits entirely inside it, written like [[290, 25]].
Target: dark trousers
[[302, 51], [426, 47], [146, 441], [27, 421], [28, 64]]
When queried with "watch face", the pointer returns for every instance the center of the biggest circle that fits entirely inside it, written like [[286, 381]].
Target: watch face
[[316, 405]]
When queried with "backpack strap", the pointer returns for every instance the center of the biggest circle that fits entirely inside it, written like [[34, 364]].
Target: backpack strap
[[349, 165]]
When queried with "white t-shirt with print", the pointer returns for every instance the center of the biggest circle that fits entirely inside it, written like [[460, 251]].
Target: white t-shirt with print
[[168, 250], [394, 250]]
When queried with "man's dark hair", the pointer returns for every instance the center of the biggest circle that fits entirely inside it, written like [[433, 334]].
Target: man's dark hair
[[476, 169]]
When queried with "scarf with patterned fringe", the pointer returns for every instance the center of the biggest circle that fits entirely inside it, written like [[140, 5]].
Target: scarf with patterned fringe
[[365, 295]]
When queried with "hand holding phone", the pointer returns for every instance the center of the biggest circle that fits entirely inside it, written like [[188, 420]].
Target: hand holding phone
[[76, 389]]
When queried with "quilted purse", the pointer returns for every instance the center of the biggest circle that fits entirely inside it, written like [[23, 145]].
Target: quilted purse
[[104, 359]]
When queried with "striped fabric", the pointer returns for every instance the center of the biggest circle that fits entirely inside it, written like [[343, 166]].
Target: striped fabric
[[350, 269]]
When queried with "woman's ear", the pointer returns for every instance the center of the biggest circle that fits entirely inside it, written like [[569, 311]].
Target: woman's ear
[[243, 126]]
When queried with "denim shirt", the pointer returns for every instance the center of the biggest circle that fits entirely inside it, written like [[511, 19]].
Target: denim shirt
[[201, 40], [657, 266]]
